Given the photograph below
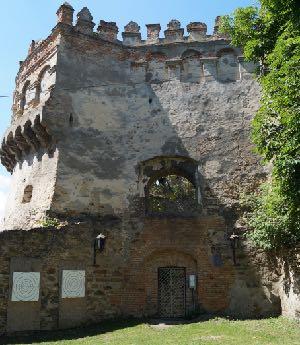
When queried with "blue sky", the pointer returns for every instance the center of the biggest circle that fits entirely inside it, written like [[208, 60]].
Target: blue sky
[[24, 20]]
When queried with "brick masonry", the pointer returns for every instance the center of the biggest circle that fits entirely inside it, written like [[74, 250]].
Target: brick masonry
[[123, 282]]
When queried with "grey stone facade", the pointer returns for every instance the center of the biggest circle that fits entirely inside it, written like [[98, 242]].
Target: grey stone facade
[[104, 107]]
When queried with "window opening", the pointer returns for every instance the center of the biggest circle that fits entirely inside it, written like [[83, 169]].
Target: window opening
[[27, 196], [172, 195], [24, 96]]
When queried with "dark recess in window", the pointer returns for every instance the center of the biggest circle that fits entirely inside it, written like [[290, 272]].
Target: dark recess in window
[[27, 194]]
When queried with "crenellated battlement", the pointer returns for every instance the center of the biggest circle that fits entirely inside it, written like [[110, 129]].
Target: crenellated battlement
[[131, 35]]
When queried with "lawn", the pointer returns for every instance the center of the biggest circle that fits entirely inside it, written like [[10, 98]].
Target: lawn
[[212, 332]]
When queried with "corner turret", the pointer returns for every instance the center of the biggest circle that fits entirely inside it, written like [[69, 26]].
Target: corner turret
[[65, 14], [84, 22]]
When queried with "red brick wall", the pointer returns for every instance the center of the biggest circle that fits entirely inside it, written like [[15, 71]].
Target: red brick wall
[[124, 280]]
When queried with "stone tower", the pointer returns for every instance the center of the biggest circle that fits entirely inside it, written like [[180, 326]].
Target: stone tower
[[89, 109], [100, 128]]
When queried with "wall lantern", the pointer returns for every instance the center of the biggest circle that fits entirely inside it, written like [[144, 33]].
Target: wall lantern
[[192, 281], [99, 244], [192, 285], [234, 239]]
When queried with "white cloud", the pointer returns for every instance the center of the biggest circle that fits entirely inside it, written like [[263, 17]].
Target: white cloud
[[4, 188]]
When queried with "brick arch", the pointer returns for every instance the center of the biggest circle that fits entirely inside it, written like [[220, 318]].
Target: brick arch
[[38, 88], [191, 53], [225, 51], [162, 166]]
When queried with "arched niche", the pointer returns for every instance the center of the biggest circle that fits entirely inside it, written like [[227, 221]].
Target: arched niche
[[227, 65], [156, 70], [192, 69], [191, 54], [42, 84], [25, 95], [170, 186]]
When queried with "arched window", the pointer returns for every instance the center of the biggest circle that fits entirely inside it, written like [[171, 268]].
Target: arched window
[[170, 185], [171, 194], [41, 84], [27, 194], [192, 67], [24, 96], [228, 68]]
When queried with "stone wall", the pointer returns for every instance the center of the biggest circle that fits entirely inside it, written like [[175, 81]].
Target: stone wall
[[38, 171], [119, 122], [106, 107], [289, 283]]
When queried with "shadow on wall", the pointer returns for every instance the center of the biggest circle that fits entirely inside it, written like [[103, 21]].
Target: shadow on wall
[[201, 121], [248, 296]]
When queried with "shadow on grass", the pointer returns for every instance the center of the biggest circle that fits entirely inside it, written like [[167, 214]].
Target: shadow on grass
[[70, 334], [105, 327]]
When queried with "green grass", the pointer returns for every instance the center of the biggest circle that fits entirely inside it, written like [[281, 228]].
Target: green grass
[[213, 332]]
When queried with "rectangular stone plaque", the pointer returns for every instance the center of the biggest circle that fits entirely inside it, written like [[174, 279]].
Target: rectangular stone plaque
[[26, 286], [73, 284]]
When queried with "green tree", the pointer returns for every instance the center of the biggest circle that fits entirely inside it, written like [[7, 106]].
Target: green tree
[[270, 35]]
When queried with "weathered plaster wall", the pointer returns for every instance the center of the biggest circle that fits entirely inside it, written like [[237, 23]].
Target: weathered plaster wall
[[113, 107], [289, 283], [38, 170], [112, 119], [28, 143]]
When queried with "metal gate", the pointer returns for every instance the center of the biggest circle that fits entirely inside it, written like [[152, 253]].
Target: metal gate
[[171, 292]]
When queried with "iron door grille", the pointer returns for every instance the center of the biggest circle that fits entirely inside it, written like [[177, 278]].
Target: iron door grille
[[171, 292]]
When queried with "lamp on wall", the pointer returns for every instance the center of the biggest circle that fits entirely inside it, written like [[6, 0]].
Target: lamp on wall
[[234, 239], [192, 285], [99, 244]]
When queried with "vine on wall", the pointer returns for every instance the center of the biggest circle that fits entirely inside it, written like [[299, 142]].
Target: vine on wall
[[270, 35]]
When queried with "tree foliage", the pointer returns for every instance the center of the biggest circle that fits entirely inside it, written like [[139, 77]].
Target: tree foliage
[[172, 195], [270, 35]]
